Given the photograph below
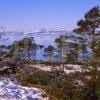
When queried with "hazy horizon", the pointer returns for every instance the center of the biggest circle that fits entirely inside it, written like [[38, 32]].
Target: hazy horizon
[[31, 15]]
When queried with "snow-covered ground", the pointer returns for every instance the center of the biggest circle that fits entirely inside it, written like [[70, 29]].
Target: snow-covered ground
[[12, 91], [69, 68]]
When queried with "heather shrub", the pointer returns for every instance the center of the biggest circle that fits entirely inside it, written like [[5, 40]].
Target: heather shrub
[[62, 88], [42, 78]]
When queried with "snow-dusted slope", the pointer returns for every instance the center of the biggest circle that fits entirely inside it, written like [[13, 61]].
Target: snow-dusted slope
[[69, 68], [12, 91]]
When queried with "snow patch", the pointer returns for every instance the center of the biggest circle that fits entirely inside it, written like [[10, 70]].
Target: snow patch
[[12, 91]]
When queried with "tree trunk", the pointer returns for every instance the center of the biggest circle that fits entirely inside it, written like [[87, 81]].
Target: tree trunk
[[92, 93]]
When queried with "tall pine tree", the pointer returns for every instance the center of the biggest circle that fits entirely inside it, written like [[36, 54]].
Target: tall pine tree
[[90, 26]]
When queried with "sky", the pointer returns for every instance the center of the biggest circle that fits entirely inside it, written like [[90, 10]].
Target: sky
[[31, 15]]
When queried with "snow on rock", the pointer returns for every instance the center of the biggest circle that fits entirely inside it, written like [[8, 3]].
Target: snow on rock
[[12, 91]]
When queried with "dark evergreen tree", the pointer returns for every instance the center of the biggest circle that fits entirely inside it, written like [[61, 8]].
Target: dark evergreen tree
[[90, 26], [24, 49]]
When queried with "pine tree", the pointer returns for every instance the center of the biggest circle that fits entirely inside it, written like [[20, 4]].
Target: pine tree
[[50, 53], [89, 26], [67, 48], [23, 50]]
